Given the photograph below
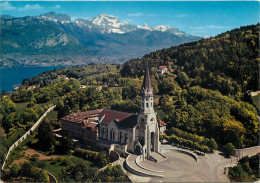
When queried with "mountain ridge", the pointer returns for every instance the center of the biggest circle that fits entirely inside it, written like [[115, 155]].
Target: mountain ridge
[[36, 40]]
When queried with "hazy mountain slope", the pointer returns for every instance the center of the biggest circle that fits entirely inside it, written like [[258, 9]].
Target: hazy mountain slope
[[53, 39], [37, 36]]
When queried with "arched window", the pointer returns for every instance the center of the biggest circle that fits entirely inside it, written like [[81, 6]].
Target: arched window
[[142, 105], [147, 105]]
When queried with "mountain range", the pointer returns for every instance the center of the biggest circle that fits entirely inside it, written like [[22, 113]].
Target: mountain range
[[54, 39]]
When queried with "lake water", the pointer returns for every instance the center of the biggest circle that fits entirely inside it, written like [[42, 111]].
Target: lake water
[[13, 76]]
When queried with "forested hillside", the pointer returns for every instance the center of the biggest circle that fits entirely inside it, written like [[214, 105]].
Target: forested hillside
[[229, 58], [205, 93], [227, 64]]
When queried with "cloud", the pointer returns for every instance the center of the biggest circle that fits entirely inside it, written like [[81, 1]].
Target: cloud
[[210, 27], [57, 6], [85, 18], [182, 16], [135, 14], [7, 6], [30, 7], [127, 20], [139, 14]]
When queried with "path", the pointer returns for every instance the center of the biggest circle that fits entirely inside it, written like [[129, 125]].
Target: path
[[31, 152]]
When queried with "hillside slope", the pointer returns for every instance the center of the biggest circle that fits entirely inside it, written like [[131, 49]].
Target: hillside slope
[[233, 54], [205, 93]]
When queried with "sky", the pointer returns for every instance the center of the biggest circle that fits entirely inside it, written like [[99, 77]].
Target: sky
[[205, 18]]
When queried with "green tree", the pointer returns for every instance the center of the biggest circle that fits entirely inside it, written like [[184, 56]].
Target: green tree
[[7, 106], [78, 176], [46, 136], [229, 150], [212, 144], [15, 170], [63, 176], [27, 169], [8, 121], [41, 176]]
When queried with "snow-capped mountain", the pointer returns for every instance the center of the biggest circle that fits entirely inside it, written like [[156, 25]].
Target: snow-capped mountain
[[52, 16], [111, 24], [108, 24]]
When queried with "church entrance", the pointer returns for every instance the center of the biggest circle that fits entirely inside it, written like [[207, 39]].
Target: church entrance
[[152, 141], [138, 149]]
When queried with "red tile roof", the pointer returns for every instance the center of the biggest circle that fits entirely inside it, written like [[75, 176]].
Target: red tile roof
[[163, 67], [106, 114], [111, 114], [170, 63], [161, 123]]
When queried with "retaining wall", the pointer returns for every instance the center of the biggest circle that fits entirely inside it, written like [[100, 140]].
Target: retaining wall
[[250, 151], [138, 160], [183, 151], [138, 172], [21, 139]]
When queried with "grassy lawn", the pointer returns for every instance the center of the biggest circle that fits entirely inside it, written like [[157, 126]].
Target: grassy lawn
[[52, 101], [56, 165], [20, 107], [52, 115], [256, 101], [54, 168], [18, 132]]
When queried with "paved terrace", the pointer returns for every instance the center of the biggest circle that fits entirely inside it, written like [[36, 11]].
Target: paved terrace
[[180, 167]]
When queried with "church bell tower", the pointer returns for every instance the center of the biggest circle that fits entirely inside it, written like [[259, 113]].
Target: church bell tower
[[148, 131]]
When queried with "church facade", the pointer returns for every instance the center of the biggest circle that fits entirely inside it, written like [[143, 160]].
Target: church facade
[[134, 133]]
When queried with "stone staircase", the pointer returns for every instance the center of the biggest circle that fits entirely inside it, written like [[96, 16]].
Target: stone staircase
[[156, 157], [134, 167]]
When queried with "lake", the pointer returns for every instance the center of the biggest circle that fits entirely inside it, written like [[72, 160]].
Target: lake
[[13, 76]]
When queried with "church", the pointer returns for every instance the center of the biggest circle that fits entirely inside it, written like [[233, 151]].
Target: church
[[125, 132]]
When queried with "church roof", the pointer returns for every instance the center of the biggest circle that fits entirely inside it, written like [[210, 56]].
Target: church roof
[[110, 115], [147, 79], [122, 119], [129, 122]]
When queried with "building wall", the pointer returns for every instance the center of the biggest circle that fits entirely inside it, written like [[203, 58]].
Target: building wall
[[162, 129], [76, 131]]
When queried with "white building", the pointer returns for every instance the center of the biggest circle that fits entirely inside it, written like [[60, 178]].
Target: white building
[[163, 69]]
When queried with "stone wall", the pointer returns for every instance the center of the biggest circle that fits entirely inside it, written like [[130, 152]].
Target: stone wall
[[251, 151], [21, 139]]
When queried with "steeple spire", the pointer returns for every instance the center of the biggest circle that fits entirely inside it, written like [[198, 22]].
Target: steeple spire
[[147, 80], [147, 89]]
